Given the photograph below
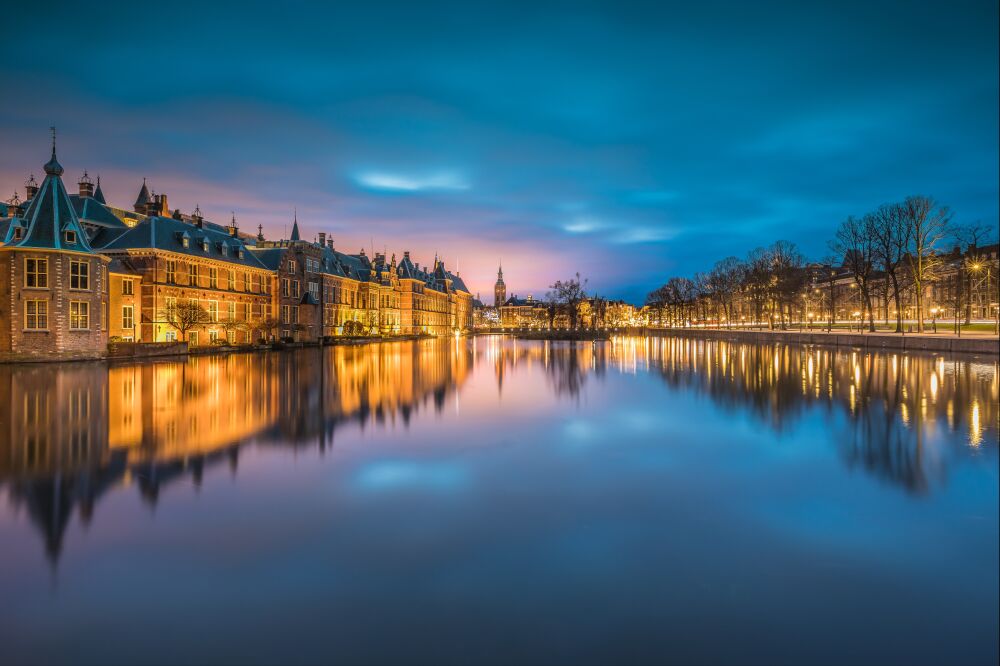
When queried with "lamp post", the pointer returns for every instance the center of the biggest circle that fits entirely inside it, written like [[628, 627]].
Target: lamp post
[[934, 313]]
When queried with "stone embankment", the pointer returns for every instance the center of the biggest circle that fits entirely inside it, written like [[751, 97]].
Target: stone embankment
[[972, 344]]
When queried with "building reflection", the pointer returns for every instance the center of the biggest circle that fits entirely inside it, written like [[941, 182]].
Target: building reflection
[[70, 432]]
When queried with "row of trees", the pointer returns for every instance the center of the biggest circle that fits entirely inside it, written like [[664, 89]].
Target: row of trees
[[899, 248]]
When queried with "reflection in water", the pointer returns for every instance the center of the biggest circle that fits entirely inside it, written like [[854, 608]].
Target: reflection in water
[[71, 432]]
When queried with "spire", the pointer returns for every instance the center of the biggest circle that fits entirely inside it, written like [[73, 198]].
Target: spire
[[500, 272], [53, 168], [295, 227], [142, 199], [98, 194], [50, 218], [260, 232]]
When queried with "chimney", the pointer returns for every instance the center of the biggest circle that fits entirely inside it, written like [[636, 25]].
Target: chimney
[[162, 201], [233, 229], [322, 238]]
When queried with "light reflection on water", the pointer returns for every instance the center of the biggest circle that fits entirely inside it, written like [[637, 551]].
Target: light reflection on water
[[646, 499]]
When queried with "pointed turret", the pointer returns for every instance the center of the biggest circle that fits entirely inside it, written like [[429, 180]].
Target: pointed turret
[[50, 218], [295, 227], [98, 194], [142, 200], [30, 188]]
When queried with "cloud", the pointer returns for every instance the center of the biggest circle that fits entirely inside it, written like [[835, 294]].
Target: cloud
[[397, 182]]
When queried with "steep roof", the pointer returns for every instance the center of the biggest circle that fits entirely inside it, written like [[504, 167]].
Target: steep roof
[[98, 194], [165, 233], [50, 215], [92, 211], [143, 198]]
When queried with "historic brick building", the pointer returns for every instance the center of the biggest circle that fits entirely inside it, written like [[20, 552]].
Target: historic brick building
[[53, 286], [76, 271]]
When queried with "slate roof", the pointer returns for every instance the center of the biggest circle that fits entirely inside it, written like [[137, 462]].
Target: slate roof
[[166, 233], [50, 214], [143, 198], [92, 211], [514, 301], [98, 194]]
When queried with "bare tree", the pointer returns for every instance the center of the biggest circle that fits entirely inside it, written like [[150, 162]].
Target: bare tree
[[184, 316], [888, 225], [927, 225], [266, 325], [568, 295], [856, 242], [230, 326], [724, 281]]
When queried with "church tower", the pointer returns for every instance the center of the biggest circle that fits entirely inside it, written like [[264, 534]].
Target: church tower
[[499, 289]]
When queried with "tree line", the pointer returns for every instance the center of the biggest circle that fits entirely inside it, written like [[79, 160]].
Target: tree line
[[898, 248]]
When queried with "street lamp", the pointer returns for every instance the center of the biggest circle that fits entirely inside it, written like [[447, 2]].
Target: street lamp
[[934, 314]]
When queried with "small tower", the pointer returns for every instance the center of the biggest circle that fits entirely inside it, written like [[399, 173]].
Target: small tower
[[142, 200], [499, 289], [86, 185], [30, 188]]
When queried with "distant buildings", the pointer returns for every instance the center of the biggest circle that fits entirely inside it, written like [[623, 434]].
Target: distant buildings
[[76, 272], [515, 312]]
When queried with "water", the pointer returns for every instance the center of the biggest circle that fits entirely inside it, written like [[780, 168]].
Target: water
[[493, 501]]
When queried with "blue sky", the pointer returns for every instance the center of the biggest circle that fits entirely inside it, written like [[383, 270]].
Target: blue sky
[[627, 141]]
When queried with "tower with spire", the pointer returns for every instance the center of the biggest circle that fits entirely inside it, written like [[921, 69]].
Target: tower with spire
[[499, 289], [60, 309]]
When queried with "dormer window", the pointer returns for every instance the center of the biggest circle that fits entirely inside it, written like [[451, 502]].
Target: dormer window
[[18, 233], [70, 236], [204, 245], [185, 241], [239, 253]]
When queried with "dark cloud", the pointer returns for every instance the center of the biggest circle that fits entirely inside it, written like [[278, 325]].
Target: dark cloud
[[624, 140]]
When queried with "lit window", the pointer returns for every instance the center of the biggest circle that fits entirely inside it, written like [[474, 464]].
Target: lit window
[[36, 315], [213, 310], [171, 270], [213, 278], [36, 273], [79, 315], [79, 275], [128, 287], [231, 281], [193, 275], [128, 317]]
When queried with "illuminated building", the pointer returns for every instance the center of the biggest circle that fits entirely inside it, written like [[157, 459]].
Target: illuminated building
[[77, 272]]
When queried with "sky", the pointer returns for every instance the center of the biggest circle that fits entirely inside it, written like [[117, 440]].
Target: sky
[[629, 142]]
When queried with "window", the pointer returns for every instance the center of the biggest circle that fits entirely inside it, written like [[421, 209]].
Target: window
[[246, 281], [70, 236], [193, 275], [18, 233], [128, 317], [79, 275], [36, 273], [213, 310], [285, 314], [128, 287], [213, 278], [213, 336], [170, 336], [285, 291], [295, 314], [79, 315], [171, 270], [36, 315], [185, 241], [314, 289], [171, 303], [104, 315], [231, 310], [231, 281], [291, 266], [193, 338], [295, 289], [246, 312]]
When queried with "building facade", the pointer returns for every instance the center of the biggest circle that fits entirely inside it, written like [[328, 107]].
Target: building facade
[[76, 272]]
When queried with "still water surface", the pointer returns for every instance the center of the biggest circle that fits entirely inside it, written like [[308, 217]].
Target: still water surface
[[488, 501]]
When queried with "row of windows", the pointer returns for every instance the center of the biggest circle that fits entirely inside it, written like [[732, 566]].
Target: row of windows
[[36, 315], [36, 274], [249, 282]]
